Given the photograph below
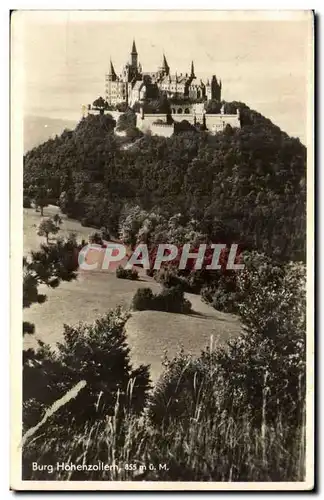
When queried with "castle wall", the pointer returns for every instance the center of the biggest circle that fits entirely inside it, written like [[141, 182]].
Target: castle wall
[[216, 123], [164, 130], [180, 117], [145, 124]]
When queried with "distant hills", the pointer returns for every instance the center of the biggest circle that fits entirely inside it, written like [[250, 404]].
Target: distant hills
[[38, 129]]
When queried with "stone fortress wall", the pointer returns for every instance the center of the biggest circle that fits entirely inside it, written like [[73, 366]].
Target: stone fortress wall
[[157, 124]]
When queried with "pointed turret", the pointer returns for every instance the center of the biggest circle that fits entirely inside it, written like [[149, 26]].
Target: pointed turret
[[112, 73], [134, 51], [165, 67], [192, 74], [112, 69]]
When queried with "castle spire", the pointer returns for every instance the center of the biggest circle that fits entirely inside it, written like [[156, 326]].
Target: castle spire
[[165, 66], [134, 51], [134, 57], [192, 74], [112, 73], [112, 69]]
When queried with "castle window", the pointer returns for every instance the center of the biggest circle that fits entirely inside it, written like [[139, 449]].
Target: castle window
[[187, 111], [173, 110], [179, 111]]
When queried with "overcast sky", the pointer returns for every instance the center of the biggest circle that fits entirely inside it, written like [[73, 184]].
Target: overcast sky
[[264, 63]]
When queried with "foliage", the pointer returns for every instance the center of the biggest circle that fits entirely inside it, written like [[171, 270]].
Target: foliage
[[126, 121], [48, 266], [39, 194], [96, 238], [249, 185], [97, 353], [133, 133], [169, 277], [183, 126], [211, 449], [169, 300], [235, 413], [127, 274], [46, 227], [100, 104], [26, 202]]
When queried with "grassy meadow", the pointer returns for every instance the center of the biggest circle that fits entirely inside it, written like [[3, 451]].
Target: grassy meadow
[[150, 333]]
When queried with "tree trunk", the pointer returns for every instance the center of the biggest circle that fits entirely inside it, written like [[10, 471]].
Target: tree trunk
[[42, 211]]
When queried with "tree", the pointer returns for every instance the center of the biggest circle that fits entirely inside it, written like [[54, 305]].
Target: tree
[[100, 104], [48, 266], [40, 198], [255, 195], [97, 353], [47, 227], [57, 220], [127, 120]]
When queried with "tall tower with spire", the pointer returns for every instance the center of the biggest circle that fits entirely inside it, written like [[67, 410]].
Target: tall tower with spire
[[192, 73], [165, 68], [111, 76], [134, 56]]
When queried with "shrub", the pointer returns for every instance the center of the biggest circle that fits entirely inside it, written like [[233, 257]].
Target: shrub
[[96, 238], [168, 277], [46, 227], [126, 274], [126, 121], [143, 299], [169, 300], [97, 353], [133, 133], [26, 202]]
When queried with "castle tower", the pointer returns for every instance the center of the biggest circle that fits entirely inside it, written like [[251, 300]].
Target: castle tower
[[164, 69], [165, 66], [134, 56], [111, 76], [192, 73], [216, 89], [111, 84]]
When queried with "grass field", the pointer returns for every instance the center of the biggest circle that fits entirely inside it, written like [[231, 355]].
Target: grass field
[[150, 333]]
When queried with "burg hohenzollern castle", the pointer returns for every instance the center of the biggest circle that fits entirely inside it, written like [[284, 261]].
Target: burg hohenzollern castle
[[186, 94]]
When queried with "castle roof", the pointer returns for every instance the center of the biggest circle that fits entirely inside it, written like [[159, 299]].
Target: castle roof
[[112, 69], [182, 79], [165, 66]]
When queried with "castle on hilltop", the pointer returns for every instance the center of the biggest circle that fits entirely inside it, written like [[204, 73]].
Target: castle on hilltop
[[135, 85], [187, 99]]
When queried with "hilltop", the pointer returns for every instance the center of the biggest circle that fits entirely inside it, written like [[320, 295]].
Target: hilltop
[[251, 181]]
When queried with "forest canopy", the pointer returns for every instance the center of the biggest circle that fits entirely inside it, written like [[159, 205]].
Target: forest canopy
[[250, 180]]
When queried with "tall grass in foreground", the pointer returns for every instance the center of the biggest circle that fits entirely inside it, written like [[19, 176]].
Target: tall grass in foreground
[[235, 413], [201, 443]]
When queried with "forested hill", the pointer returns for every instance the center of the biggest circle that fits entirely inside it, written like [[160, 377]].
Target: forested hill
[[245, 185]]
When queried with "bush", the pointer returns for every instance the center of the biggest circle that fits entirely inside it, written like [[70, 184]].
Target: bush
[[168, 277], [169, 300], [126, 274], [143, 299], [126, 121], [96, 353], [26, 202], [95, 238], [133, 133]]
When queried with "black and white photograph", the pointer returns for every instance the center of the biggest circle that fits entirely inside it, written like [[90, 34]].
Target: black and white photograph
[[162, 250]]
